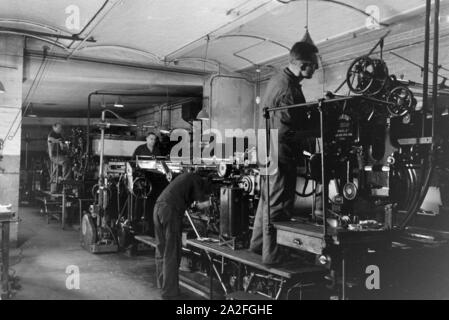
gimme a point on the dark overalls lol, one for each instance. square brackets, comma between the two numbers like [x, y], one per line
[158, 183]
[58, 158]
[168, 213]
[282, 90]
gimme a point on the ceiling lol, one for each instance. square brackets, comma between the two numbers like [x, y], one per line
[204, 35]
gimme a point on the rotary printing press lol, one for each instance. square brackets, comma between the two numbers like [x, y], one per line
[125, 193]
[377, 156]
[372, 169]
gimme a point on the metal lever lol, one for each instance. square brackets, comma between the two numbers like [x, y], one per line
[207, 253]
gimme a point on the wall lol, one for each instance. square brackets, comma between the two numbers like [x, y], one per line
[11, 61]
[231, 104]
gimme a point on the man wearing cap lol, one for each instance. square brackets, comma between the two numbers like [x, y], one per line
[177, 197]
[284, 89]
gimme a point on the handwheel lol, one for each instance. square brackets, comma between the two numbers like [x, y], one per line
[142, 187]
[304, 193]
[359, 77]
[367, 76]
[88, 230]
[402, 99]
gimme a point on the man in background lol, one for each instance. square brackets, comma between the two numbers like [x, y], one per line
[158, 181]
[149, 148]
[57, 151]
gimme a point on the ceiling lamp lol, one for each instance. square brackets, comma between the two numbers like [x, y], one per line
[30, 114]
[2, 88]
[203, 115]
[102, 104]
[164, 131]
[118, 103]
[307, 38]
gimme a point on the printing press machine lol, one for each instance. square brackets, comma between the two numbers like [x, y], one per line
[369, 145]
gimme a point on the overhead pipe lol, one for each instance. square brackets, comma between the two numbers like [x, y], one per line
[90, 21]
[153, 67]
[34, 24]
[134, 50]
[91, 30]
[45, 34]
[60, 45]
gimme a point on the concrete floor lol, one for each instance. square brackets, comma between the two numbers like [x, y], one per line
[45, 251]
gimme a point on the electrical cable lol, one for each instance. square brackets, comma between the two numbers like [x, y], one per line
[341, 4]
[26, 97]
[34, 85]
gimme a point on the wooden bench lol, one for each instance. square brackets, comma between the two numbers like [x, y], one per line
[288, 272]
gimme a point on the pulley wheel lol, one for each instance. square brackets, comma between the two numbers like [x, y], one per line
[88, 230]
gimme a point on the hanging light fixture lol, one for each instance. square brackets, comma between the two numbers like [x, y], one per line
[307, 38]
[2, 88]
[118, 103]
[203, 114]
[30, 113]
[102, 104]
[164, 130]
[445, 111]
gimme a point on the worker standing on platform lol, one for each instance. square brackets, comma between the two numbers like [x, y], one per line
[284, 89]
[177, 197]
[57, 152]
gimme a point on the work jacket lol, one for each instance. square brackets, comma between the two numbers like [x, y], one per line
[284, 89]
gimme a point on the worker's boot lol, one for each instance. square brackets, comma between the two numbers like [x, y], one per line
[186, 264]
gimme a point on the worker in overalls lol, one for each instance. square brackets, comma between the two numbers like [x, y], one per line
[283, 89]
[57, 152]
[169, 209]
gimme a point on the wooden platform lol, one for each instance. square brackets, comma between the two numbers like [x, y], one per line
[147, 240]
[289, 270]
[47, 193]
[299, 227]
[242, 295]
